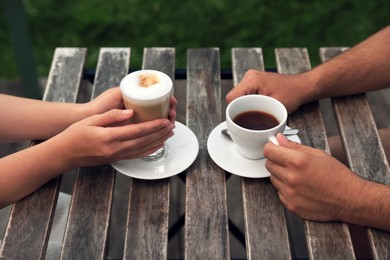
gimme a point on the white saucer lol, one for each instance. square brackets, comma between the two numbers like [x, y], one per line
[180, 152]
[225, 155]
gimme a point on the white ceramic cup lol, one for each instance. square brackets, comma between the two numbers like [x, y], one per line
[250, 143]
[148, 93]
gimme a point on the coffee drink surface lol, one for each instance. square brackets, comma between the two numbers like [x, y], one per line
[256, 120]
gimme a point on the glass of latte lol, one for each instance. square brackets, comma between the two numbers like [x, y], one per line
[148, 93]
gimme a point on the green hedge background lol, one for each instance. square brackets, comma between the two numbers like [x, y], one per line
[191, 24]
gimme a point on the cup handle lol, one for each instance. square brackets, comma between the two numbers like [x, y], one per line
[273, 140]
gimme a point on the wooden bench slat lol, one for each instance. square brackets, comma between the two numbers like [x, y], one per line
[363, 148]
[206, 221]
[147, 223]
[87, 227]
[31, 218]
[331, 240]
[265, 223]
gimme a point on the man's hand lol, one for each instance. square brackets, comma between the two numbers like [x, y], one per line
[291, 90]
[310, 182]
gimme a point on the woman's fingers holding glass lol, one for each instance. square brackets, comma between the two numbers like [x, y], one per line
[144, 145]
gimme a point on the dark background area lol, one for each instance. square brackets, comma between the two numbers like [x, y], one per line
[190, 24]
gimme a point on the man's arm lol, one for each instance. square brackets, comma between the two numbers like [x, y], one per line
[359, 69]
[365, 67]
[371, 207]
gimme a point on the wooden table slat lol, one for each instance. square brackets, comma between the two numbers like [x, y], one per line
[265, 223]
[65, 75]
[206, 221]
[330, 241]
[147, 223]
[87, 227]
[113, 65]
[31, 218]
[363, 148]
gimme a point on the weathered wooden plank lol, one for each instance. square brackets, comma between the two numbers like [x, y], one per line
[325, 240]
[147, 222]
[87, 228]
[265, 223]
[244, 59]
[363, 148]
[162, 59]
[30, 222]
[206, 223]
[113, 65]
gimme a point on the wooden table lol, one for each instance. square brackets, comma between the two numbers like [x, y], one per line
[206, 229]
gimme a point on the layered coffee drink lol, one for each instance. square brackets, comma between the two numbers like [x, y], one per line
[148, 93]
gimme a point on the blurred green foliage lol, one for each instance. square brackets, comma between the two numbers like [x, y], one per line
[191, 24]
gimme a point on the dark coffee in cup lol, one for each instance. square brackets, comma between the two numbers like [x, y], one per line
[256, 120]
[247, 117]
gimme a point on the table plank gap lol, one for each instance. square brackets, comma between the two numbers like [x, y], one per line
[89, 215]
[28, 230]
[206, 222]
[309, 120]
[148, 212]
[363, 148]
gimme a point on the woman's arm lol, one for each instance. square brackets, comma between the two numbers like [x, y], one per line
[96, 140]
[78, 135]
[29, 119]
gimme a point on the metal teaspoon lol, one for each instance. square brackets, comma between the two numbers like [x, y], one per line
[289, 131]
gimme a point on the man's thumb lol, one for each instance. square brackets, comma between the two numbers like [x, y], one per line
[283, 141]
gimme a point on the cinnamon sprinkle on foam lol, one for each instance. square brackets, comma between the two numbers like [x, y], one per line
[147, 80]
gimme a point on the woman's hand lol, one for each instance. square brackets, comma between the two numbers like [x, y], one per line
[107, 137]
[172, 110]
[112, 99]
[108, 100]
